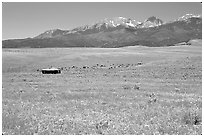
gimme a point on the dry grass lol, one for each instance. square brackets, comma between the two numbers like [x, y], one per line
[161, 96]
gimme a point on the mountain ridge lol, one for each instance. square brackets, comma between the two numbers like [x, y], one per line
[118, 32]
[110, 23]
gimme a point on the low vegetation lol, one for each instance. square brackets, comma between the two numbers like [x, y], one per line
[160, 95]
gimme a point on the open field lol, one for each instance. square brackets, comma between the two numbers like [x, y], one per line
[130, 90]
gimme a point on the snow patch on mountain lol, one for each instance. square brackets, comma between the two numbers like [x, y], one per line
[188, 16]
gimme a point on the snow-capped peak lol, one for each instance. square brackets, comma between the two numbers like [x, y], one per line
[50, 31]
[121, 17]
[112, 23]
[130, 23]
[187, 16]
[150, 22]
[53, 31]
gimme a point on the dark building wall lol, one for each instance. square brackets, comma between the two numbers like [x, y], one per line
[51, 71]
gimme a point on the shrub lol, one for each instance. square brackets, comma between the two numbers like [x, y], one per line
[136, 87]
[126, 87]
[192, 117]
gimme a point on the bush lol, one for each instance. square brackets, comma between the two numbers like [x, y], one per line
[192, 117]
[136, 87]
[126, 87]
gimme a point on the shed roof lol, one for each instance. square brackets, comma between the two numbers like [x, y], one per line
[50, 69]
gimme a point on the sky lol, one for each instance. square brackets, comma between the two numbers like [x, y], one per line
[23, 20]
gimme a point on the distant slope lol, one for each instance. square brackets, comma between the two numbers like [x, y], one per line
[117, 32]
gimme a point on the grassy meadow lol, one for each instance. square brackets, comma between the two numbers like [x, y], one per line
[115, 91]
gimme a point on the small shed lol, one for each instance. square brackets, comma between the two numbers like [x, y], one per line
[51, 71]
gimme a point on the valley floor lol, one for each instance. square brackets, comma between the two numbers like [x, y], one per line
[131, 90]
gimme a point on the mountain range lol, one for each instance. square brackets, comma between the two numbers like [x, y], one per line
[117, 32]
